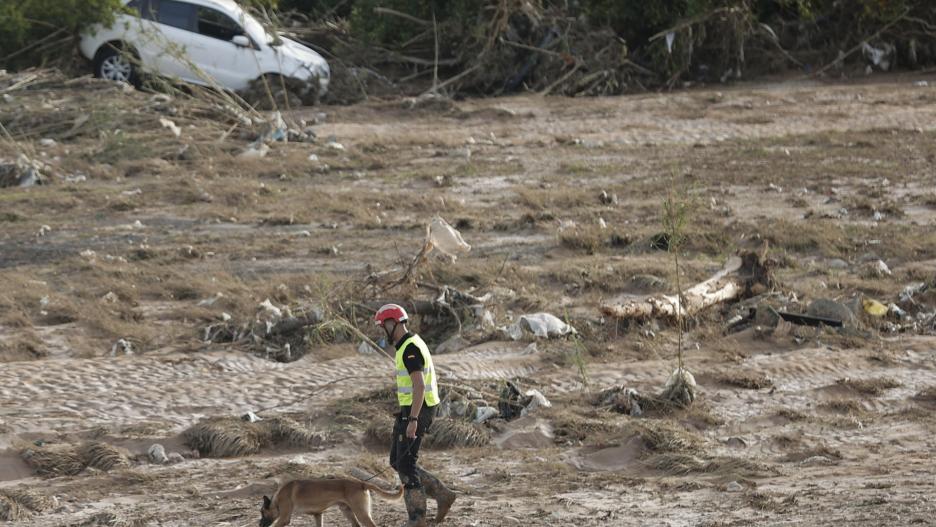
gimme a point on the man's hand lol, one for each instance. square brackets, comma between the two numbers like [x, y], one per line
[411, 430]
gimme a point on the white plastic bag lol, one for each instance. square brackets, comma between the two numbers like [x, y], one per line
[446, 238]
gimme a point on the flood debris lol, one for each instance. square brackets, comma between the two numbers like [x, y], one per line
[680, 388]
[741, 276]
[514, 402]
[64, 459]
[620, 399]
[447, 239]
[539, 325]
[24, 172]
[20, 504]
[235, 437]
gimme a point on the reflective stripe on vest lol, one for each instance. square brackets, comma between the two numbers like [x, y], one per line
[405, 382]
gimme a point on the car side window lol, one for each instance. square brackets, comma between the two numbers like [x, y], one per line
[145, 8]
[176, 14]
[216, 24]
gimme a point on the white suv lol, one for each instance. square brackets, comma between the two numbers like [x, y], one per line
[200, 41]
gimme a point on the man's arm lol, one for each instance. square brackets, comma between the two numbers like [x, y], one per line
[419, 392]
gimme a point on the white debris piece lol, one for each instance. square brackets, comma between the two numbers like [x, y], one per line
[446, 238]
[251, 417]
[542, 325]
[166, 123]
[46, 142]
[538, 401]
[43, 230]
[122, 346]
[268, 306]
[254, 151]
[484, 413]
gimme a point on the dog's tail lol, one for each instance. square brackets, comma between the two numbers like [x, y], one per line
[387, 495]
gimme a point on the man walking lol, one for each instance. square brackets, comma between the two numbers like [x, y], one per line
[418, 395]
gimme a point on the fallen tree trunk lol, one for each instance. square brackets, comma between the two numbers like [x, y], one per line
[741, 276]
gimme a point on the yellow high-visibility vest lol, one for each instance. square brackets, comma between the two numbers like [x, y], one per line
[405, 383]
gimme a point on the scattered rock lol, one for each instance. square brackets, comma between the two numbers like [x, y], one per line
[47, 142]
[157, 454]
[736, 442]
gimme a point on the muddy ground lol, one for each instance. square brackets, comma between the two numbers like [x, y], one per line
[133, 240]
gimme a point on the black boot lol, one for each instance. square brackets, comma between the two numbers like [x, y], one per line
[436, 490]
[415, 500]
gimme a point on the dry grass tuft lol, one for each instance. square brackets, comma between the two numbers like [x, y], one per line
[103, 456]
[819, 451]
[662, 436]
[234, 437]
[874, 387]
[568, 426]
[69, 460]
[675, 463]
[746, 380]
[54, 460]
[843, 406]
[17, 504]
[454, 433]
[115, 519]
[443, 434]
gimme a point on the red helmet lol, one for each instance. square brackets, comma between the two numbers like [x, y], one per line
[390, 312]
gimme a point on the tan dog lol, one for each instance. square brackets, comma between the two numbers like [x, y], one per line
[313, 496]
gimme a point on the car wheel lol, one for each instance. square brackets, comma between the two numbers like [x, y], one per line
[114, 64]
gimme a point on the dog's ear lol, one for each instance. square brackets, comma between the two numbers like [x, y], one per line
[266, 502]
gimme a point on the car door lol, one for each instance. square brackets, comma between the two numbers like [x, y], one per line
[232, 65]
[175, 41]
[140, 31]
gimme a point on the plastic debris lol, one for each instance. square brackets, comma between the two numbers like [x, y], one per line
[874, 308]
[251, 417]
[484, 413]
[537, 400]
[447, 239]
[680, 388]
[734, 486]
[541, 325]
[895, 310]
[122, 346]
[881, 57]
[915, 288]
[268, 306]
[877, 269]
[254, 151]
[166, 123]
